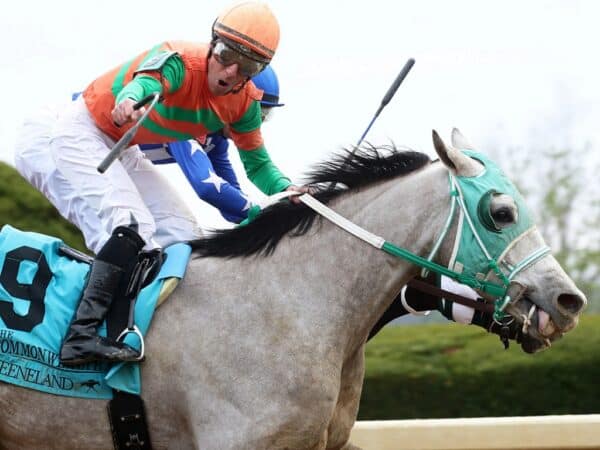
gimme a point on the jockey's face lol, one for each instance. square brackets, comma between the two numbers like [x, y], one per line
[222, 79]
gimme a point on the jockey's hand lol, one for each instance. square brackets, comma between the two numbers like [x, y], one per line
[124, 112]
[302, 189]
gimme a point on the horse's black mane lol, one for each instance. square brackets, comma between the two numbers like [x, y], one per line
[351, 169]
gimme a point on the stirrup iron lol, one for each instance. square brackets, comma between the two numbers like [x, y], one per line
[133, 330]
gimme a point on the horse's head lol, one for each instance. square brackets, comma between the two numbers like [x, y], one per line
[497, 242]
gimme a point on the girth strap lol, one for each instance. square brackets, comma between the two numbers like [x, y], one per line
[127, 417]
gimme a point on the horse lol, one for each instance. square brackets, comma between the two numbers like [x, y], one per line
[261, 346]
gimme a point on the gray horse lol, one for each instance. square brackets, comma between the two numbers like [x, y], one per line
[262, 344]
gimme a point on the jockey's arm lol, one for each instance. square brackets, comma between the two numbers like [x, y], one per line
[247, 137]
[167, 76]
[195, 164]
[263, 172]
[216, 148]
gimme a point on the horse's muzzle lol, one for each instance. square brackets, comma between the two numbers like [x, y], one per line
[541, 326]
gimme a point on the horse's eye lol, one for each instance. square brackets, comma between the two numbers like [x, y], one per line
[497, 211]
[503, 216]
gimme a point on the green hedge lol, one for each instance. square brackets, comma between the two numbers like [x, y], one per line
[25, 208]
[451, 370]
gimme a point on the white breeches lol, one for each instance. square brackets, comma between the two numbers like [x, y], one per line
[58, 151]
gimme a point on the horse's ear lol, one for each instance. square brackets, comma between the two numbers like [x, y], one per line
[460, 141]
[455, 160]
[442, 150]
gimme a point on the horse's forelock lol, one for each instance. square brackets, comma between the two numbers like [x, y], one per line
[353, 169]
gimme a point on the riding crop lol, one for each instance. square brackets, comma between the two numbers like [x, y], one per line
[389, 94]
[122, 143]
[386, 99]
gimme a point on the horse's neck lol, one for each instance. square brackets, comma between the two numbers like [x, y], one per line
[408, 212]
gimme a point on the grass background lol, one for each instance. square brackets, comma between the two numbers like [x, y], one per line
[451, 370]
[25, 208]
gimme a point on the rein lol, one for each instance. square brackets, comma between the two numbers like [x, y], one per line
[428, 288]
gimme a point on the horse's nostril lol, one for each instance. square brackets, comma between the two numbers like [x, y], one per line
[572, 303]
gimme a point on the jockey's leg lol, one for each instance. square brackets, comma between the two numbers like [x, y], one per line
[96, 203]
[173, 218]
[114, 261]
[102, 206]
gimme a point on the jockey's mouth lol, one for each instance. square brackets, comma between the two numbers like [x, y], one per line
[233, 85]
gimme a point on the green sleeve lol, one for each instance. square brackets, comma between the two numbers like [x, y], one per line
[250, 121]
[142, 85]
[262, 172]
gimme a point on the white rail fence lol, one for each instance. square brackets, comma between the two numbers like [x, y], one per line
[568, 432]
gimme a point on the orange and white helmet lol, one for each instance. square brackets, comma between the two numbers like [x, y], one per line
[250, 28]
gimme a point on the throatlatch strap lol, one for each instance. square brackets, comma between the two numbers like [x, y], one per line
[128, 422]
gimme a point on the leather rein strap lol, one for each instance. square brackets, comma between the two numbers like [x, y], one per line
[427, 288]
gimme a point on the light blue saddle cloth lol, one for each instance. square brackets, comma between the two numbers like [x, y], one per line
[40, 289]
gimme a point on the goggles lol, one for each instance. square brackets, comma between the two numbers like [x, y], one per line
[227, 56]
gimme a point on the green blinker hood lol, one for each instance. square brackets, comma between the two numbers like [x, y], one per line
[477, 192]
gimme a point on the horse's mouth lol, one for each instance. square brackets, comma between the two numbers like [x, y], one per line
[538, 330]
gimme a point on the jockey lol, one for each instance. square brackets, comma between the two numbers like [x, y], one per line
[208, 169]
[203, 88]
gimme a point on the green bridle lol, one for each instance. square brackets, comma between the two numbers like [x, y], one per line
[480, 247]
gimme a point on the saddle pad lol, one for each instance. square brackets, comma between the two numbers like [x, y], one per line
[39, 291]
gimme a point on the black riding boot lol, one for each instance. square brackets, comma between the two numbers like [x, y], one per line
[82, 343]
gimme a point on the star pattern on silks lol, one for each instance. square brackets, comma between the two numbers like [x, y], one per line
[195, 147]
[215, 180]
[248, 202]
[208, 146]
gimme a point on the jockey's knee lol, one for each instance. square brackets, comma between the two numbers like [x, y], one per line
[139, 221]
[176, 229]
[146, 231]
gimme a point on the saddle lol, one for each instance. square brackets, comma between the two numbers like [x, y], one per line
[41, 282]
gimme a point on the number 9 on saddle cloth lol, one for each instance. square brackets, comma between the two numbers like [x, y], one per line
[41, 282]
